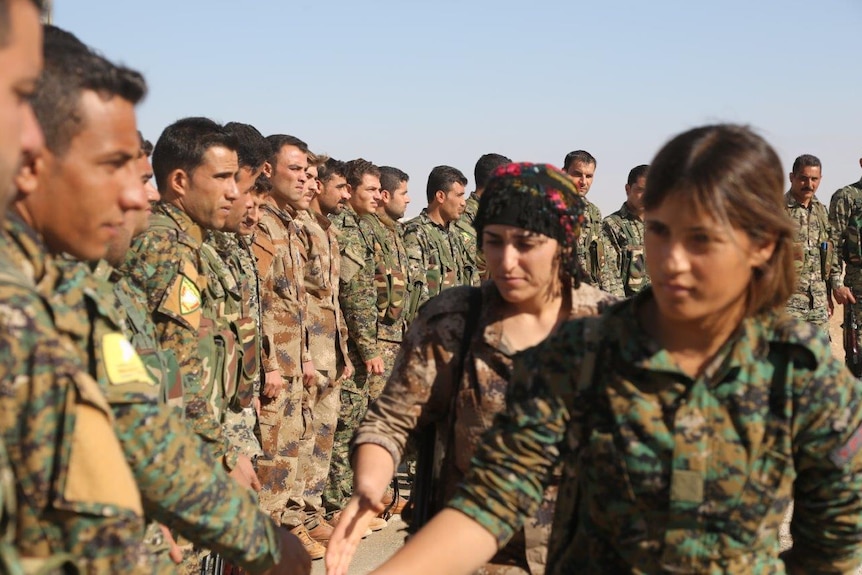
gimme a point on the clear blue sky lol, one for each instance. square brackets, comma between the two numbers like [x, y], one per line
[415, 84]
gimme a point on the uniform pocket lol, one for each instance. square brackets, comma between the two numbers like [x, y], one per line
[764, 499]
[97, 478]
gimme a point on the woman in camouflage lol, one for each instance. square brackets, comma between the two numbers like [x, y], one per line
[687, 417]
[456, 361]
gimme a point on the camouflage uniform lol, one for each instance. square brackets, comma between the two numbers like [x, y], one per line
[357, 298]
[280, 263]
[327, 342]
[812, 259]
[48, 405]
[424, 390]
[474, 259]
[10, 561]
[666, 473]
[239, 288]
[165, 263]
[436, 259]
[172, 467]
[590, 249]
[391, 280]
[624, 273]
[131, 309]
[841, 206]
[130, 306]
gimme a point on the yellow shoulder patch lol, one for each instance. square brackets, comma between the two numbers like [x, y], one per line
[122, 363]
[190, 297]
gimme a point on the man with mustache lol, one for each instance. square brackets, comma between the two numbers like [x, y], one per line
[814, 253]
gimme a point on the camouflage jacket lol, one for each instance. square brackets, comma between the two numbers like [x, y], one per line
[436, 258]
[228, 295]
[357, 296]
[590, 249]
[391, 275]
[840, 207]
[281, 260]
[58, 427]
[130, 306]
[624, 273]
[812, 259]
[425, 388]
[165, 263]
[668, 473]
[178, 481]
[474, 260]
[327, 331]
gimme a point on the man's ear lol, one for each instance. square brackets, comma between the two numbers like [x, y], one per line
[440, 196]
[27, 178]
[178, 182]
[267, 169]
[385, 196]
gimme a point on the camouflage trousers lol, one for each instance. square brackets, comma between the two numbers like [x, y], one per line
[812, 307]
[339, 486]
[239, 429]
[321, 405]
[281, 431]
[388, 352]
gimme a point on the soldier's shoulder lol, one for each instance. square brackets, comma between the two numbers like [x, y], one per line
[800, 341]
[588, 300]
[455, 300]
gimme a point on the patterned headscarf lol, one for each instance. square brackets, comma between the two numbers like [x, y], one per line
[536, 197]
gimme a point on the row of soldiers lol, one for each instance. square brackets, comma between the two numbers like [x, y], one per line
[168, 350]
[828, 242]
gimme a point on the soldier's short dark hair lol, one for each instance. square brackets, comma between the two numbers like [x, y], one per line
[356, 169]
[71, 68]
[805, 161]
[734, 176]
[442, 178]
[331, 167]
[262, 185]
[146, 145]
[636, 173]
[581, 156]
[252, 149]
[391, 178]
[485, 166]
[183, 144]
[5, 20]
[278, 141]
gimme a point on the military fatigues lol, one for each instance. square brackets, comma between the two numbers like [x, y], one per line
[667, 473]
[173, 469]
[357, 298]
[165, 263]
[844, 204]
[130, 307]
[58, 428]
[624, 273]
[281, 258]
[590, 249]
[436, 259]
[474, 259]
[425, 388]
[327, 343]
[812, 259]
[237, 293]
[391, 280]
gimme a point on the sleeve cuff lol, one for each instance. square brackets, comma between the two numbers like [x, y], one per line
[497, 528]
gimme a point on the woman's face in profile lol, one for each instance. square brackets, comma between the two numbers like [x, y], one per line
[700, 268]
[523, 264]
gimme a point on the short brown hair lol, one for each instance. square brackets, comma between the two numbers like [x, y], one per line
[734, 175]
